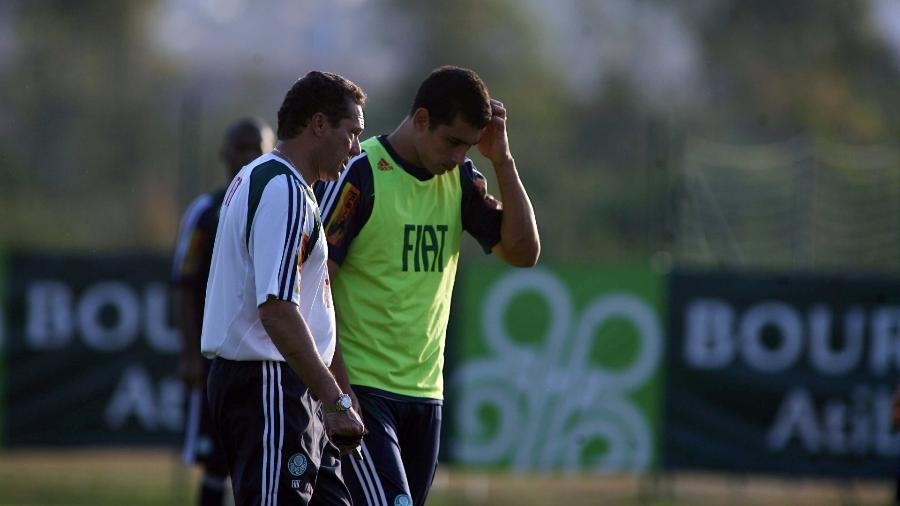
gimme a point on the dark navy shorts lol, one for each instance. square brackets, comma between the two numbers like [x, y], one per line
[272, 431]
[201, 443]
[400, 449]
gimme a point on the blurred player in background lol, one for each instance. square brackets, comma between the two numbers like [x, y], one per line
[895, 422]
[394, 222]
[244, 141]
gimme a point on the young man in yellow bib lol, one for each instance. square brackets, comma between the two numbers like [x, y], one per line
[393, 222]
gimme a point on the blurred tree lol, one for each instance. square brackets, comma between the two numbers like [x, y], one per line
[89, 154]
[818, 74]
[102, 132]
[778, 69]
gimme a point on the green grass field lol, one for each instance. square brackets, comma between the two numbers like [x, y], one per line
[153, 477]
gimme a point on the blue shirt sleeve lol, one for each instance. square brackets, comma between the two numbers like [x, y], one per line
[481, 212]
[346, 205]
[193, 250]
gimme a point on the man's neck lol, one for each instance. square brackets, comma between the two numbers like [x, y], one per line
[295, 155]
[401, 140]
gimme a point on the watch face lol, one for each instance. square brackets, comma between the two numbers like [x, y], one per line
[344, 402]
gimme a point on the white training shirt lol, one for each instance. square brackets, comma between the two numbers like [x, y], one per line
[269, 236]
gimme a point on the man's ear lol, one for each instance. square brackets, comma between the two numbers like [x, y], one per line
[421, 119]
[319, 122]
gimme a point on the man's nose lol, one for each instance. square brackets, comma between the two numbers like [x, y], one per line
[459, 156]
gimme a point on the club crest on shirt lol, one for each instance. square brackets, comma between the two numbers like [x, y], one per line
[337, 224]
[301, 257]
[384, 165]
[403, 500]
[297, 464]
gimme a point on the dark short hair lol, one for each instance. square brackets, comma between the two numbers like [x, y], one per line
[242, 129]
[315, 92]
[451, 91]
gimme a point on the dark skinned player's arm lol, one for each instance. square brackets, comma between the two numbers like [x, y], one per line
[187, 307]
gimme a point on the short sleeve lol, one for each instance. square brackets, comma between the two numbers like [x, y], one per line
[275, 237]
[346, 206]
[194, 243]
[482, 214]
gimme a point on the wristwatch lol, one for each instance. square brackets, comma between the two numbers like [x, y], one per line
[343, 403]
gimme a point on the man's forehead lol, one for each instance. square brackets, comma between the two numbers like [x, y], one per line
[462, 131]
[357, 118]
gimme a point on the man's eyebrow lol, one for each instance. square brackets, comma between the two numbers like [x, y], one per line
[458, 140]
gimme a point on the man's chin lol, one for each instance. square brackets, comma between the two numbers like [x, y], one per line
[333, 175]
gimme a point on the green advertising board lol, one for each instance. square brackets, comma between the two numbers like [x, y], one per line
[2, 348]
[91, 352]
[557, 369]
[782, 373]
